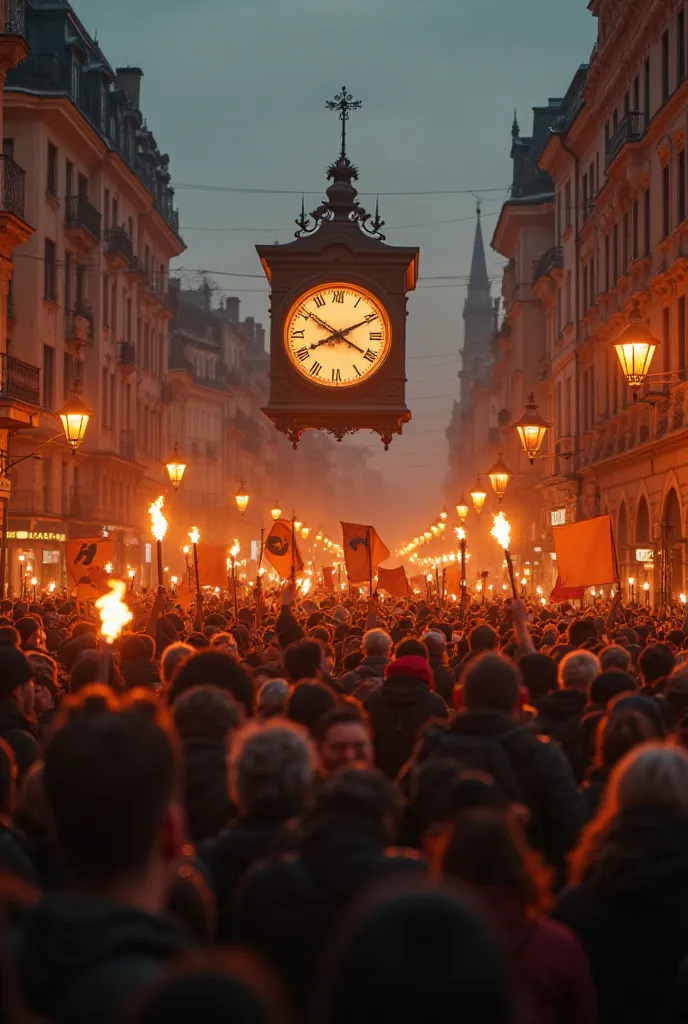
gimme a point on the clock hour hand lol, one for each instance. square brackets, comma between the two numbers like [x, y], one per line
[321, 323]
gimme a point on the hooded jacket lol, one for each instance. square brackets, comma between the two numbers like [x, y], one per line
[399, 709]
[633, 922]
[288, 907]
[81, 958]
[370, 667]
[538, 769]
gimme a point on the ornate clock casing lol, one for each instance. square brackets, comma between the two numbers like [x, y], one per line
[338, 318]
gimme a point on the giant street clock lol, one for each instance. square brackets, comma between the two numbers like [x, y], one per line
[338, 316]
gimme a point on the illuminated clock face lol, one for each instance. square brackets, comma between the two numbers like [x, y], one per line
[337, 335]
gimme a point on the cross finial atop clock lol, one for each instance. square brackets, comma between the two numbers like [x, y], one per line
[343, 103]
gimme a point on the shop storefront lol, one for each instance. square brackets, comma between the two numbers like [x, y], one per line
[36, 556]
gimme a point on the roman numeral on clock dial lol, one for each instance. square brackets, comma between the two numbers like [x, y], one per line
[370, 355]
[315, 369]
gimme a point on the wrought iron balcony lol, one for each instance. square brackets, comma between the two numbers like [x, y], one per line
[19, 380]
[78, 504]
[127, 445]
[553, 259]
[119, 243]
[11, 186]
[126, 355]
[14, 23]
[81, 214]
[631, 129]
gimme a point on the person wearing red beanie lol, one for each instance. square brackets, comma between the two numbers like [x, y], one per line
[400, 707]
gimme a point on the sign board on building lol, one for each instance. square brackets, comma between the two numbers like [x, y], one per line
[557, 517]
[35, 535]
[5, 486]
[644, 555]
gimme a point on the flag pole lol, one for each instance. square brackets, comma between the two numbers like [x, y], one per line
[259, 581]
[370, 560]
[293, 548]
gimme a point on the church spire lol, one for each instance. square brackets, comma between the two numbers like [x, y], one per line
[479, 282]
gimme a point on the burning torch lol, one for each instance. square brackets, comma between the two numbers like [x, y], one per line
[501, 531]
[114, 616]
[233, 552]
[159, 529]
[194, 537]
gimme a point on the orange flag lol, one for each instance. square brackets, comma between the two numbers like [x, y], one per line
[86, 561]
[363, 551]
[452, 579]
[328, 578]
[586, 556]
[212, 565]
[394, 582]
[282, 549]
[561, 594]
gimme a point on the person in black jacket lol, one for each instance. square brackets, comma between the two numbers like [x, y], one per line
[271, 770]
[560, 712]
[109, 781]
[289, 907]
[376, 646]
[18, 725]
[401, 707]
[436, 643]
[628, 904]
[488, 736]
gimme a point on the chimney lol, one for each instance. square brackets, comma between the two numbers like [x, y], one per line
[129, 81]
[232, 309]
[250, 328]
[260, 336]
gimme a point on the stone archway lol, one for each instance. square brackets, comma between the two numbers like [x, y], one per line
[672, 546]
[642, 522]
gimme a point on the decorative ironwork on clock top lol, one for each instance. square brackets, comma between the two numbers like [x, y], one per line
[341, 203]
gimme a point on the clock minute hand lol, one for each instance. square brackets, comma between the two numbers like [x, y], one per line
[321, 323]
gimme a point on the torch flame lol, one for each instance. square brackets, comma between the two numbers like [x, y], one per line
[194, 535]
[114, 613]
[305, 585]
[158, 521]
[235, 549]
[501, 531]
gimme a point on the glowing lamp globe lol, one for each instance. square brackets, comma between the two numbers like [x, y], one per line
[499, 477]
[478, 496]
[176, 467]
[635, 348]
[305, 530]
[241, 498]
[531, 430]
[75, 415]
[276, 512]
[462, 509]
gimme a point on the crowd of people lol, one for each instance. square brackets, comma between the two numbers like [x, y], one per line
[337, 812]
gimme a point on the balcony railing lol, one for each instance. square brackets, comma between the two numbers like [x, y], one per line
[126, 355]
[14, 22]
[631, 129]
[77, 504]
[127, 445]
[81, 214]
[11, 186]
[119, 243]
[553, 259]
[19, 380]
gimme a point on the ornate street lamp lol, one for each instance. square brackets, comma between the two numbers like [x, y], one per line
[462, 509]
[276, 512]
[531, 429]
[176, 467]
[305, 530]
[635, 347]
[75, 415]
[478, 496]
[499, 477]
[241, 498]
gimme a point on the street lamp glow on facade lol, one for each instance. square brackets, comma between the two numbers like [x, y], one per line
[176, 467]
[531, 430]
[635, 348]
[478, 496]
[462, 509]
[241, 498]
[499, 477]
[75, 415]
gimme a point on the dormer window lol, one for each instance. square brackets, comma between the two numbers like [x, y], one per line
[76, 79]
[103, 105]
